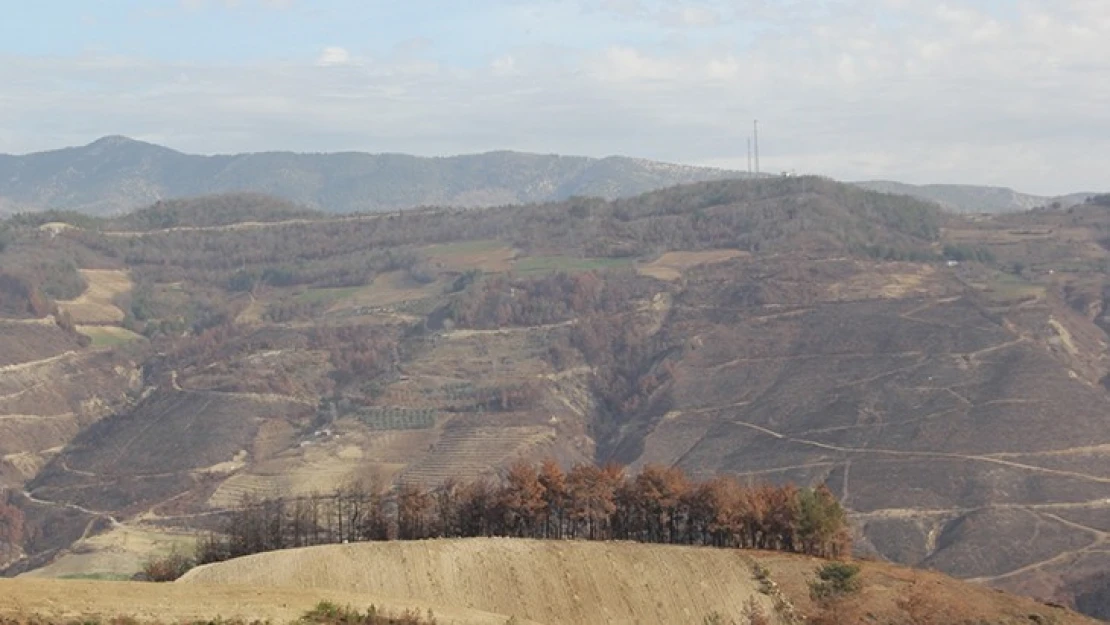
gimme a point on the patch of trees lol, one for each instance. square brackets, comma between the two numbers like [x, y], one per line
[500, 301]
[323, 252]
[1100, 200]
[294, 310]
[38, 218]
[53, 272]
[19, 297]
[212, 210]
[629, 363]
[968, 253]
[357, 353]
[11, 529]
[503, 398]
[887, 252]
[657, 505]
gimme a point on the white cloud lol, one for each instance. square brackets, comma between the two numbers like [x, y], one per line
[929, 93]
[691, 16]
[196, 5]
[333, 55]
[504, 66]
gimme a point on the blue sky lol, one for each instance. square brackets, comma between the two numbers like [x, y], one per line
[468, 33]
[1009, 92]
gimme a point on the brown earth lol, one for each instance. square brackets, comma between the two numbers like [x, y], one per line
[572, 582]
[168, 603]
[670, 266]
[489, 581]
[549, 582]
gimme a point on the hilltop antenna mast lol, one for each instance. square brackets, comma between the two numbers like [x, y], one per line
[755, 126]
[749, 156]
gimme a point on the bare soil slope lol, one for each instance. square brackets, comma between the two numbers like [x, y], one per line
[547, 581]
[74, 599]
[571, 582]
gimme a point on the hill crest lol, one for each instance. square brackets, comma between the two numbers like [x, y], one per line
[116, 174]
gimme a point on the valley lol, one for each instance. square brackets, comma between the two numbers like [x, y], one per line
[943, 375]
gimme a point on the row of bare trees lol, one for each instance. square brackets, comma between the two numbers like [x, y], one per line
[657, 505]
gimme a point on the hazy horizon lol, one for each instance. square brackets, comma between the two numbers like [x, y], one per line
[964, 92]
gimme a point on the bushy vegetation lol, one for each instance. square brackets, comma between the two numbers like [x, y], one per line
[167, 568]
[500, 301]
[11, 528]
[19, 297]
[1100, 200]
[657, 505]
[212, 210]
[325, 613]
[38, 218]
[835, 579]
[396, 418]
[752, 614]
[968, 253]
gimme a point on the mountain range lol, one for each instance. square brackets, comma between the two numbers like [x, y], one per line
[976, 199]
[116, 174]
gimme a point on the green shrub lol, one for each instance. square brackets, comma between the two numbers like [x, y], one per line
[327, 613]
[835, 579]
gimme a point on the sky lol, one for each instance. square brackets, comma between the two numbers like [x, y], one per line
[1000, 92]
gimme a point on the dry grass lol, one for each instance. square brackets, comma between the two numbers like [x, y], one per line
[387, 289]
[120, 552]
[82, 600]
[96, 305]
[671, 265]
[887, 281]
[552, 582]
[487, 256]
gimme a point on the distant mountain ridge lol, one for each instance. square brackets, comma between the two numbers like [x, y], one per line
[116, 174]
[973, 198]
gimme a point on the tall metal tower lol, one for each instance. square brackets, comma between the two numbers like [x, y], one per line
[749, 156]
[755, 126]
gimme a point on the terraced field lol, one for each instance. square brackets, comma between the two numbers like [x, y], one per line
[468, 453]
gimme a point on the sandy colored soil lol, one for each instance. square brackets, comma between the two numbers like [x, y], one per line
[488, 256]
[120, 552]
[74, 599]
[892, 282]
[670, 266]
[551, 582]
[387, 289]
[95, 305]
[488, 581]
